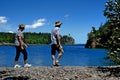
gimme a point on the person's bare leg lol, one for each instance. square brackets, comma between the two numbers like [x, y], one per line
[16, 62]
[58, 58]
[25, 61]
[59, 55]
[53, 59]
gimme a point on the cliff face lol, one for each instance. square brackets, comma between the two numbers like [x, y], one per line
[107, 36]
[67, 40]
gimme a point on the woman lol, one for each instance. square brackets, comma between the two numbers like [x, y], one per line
[20, 47]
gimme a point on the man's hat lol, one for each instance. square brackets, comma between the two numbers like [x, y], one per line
[57, 23]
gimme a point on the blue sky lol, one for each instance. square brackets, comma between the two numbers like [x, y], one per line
[77, 16]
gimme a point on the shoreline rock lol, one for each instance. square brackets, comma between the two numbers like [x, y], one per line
[61, 73]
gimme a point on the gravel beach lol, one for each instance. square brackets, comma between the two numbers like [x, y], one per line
[61, 73]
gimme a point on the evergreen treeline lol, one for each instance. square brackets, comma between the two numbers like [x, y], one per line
[108, 35]
[37, 38]
[34, 38]
[6, 37]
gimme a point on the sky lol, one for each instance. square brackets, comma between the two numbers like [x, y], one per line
[78, 16]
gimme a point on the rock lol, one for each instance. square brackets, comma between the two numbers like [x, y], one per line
[61, 73]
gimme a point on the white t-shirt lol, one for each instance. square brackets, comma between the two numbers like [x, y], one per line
[55, 31]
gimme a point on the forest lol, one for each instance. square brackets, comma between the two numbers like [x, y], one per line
[34, 38]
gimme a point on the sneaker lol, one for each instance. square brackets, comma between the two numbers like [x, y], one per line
[27, 65]
[17, 66]
[57, 64]
[54, 63]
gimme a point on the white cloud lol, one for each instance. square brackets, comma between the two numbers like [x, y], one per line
[10, 31]
[37, 23]
[3, 19]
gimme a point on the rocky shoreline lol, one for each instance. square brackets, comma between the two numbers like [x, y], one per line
[61, 73]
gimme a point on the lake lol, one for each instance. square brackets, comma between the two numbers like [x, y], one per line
[40, 55]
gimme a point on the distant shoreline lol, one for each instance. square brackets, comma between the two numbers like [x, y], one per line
[7, 44]
[12, 44]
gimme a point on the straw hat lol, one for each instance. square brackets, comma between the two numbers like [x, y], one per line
[58, 23]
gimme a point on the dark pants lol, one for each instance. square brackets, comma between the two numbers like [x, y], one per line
[18, 50]
[54, 48]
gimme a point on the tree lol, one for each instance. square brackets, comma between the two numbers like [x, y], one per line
[112, 12]
[67, 39]
[108, 35]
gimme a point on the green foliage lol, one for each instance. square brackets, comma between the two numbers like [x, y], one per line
[112, 12]
[108, 35]
[67, 39]
[6, 37]
[30, 38]
[37, 38]
[34, 38]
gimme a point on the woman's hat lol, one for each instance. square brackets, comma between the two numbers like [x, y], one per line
[57, 23]
[21, 26]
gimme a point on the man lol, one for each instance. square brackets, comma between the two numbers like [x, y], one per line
[20, 47]
[56, 44]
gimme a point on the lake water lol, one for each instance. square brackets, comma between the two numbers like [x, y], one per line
[40, 55]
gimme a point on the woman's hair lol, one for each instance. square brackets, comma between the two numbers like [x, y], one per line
[21, 26]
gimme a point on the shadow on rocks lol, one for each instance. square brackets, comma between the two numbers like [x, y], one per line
[113, 71]
[16, 78]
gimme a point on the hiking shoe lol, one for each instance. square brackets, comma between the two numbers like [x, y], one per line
[54, 63]
[27, 65]
[17, 66]
[57, 63]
